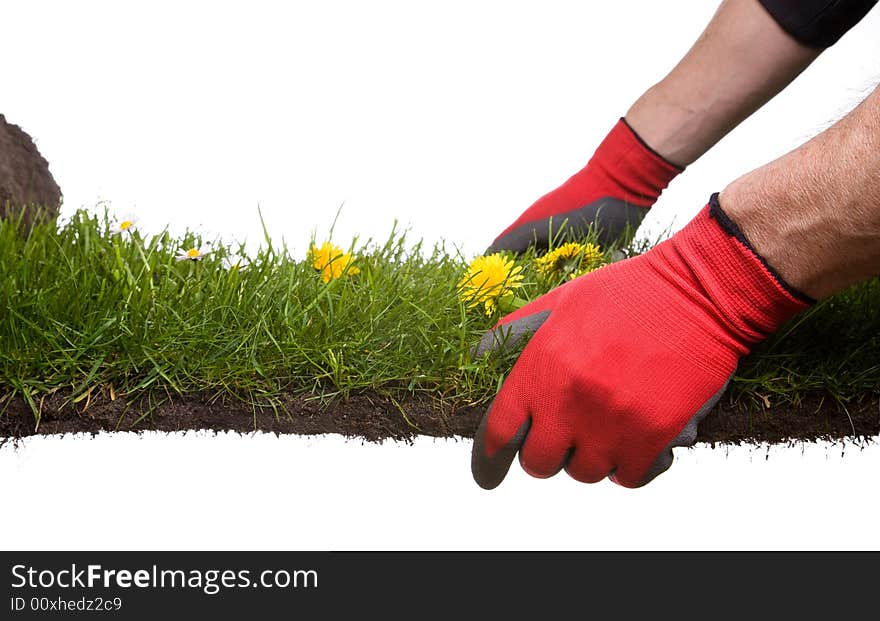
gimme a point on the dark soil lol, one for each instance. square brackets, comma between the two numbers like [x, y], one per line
[25, 180]
[376, 417]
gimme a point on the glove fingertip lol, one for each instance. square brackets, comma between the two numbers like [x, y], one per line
[507, 336]
[499, 246]
[686, 437]
[490, 466]
[616, 478]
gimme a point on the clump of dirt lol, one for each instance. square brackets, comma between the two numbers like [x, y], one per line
[25, 181]
[377, 417]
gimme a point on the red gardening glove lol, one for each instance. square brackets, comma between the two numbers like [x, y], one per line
[624, 362]
[612, 193]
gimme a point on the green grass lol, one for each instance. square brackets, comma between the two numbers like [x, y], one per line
[832, 348]
[81, 307]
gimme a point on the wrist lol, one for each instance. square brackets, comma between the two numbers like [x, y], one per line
[630, 169]
[714, 284]
[729, 278]
[813, 212]
[785, 237]
[673, 128]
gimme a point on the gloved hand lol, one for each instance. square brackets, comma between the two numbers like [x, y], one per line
[612, 192]
[623, 362]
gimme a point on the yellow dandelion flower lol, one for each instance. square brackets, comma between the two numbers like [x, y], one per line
[488, 280]
[586, 270]
[570, 260]
[331, 261]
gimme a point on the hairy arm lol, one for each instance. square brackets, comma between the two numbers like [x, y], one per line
[814, 214]
[741, 61]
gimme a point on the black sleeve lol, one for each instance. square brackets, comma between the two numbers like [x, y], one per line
[817, 23]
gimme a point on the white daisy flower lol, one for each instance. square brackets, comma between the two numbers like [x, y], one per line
[193, 254]
[125, 225]
[235, 263]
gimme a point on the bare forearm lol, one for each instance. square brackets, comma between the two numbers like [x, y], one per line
[814, 214]
[740, 62]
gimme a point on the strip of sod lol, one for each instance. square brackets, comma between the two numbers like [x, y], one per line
[104, 330]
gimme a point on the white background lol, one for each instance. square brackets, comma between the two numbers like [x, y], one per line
[451, 117]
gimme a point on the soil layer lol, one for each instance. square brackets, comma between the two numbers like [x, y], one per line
[25, 180]
[377, 417]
